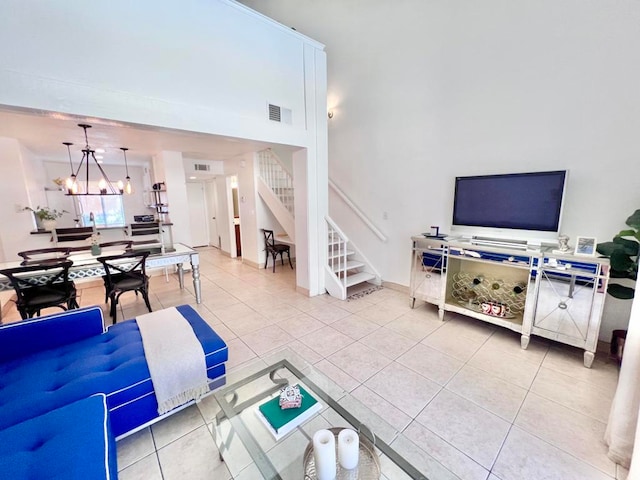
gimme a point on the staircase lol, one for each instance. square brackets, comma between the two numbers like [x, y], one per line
[346, 266]
[275, 187]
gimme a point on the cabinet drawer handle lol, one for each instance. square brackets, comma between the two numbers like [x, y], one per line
[562, 306]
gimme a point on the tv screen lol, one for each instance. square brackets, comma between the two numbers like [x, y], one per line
[522, 201]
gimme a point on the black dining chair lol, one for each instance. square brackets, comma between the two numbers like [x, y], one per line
[73, 234]
[274, 249]
[125, 273]
[43, 255]
[41, 286]
[106, 248]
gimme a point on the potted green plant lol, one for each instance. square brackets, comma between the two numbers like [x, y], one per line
[46, 217]
[623, 253]
[95, 244]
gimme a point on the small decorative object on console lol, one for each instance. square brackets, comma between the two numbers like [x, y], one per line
[563, 243]
[585, 246]
[494, 309]
[435, 232]
[290, 397]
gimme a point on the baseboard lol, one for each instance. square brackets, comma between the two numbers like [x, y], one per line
[250, 263]
[396, 286]
[302, 290]
[604, 347]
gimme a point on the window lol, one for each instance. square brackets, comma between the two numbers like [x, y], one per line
[108, 210]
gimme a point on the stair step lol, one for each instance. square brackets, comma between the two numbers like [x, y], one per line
[351, 265]
[359, 278]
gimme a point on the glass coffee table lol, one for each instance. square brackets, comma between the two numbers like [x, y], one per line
[251, 452]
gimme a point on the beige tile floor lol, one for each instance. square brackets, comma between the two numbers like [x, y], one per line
[475, 401]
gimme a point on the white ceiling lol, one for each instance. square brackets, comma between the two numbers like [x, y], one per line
[43, 133]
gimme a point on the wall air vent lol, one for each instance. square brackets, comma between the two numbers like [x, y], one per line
[201, 167]
[279, 114]
[274, 112]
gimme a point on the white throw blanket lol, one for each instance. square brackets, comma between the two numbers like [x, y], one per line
[175, 358]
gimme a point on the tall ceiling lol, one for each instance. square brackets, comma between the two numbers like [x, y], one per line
[43, 133]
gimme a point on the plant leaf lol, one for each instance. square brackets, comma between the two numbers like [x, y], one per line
[607, 248]
[630, 246]
[618, 274]
[621, 261]
[620, 291]
[634, 220]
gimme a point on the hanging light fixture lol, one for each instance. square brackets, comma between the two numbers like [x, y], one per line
[105, 187]
[71, 184]
[127, 186]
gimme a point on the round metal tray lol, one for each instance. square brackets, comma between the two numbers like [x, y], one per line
[368, 463]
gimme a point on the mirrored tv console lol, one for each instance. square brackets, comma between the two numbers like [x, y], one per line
[533, 292]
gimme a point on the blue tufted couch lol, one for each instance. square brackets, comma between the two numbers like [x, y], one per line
[50, 367]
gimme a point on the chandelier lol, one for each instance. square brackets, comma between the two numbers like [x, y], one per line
[105, 186]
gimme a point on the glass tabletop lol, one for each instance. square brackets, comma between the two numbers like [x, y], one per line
[250, 450]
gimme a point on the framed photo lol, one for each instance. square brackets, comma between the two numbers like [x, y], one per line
[585, 246]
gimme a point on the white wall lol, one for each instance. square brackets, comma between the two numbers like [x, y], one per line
[17, 166]
[460, 87]
[285, 157]
[204, 66]
[230, 62]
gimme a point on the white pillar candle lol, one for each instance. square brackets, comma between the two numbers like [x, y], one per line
[324, 454]
[348, 448]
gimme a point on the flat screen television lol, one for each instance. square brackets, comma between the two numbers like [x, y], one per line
[518, 206]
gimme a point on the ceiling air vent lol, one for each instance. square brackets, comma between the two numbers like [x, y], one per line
[274, 112]
[202, 167]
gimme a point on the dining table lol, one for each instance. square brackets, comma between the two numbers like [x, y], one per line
[86, 266]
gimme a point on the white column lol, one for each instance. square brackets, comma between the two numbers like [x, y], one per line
[168, 167]
[315, 64]
[23, 186]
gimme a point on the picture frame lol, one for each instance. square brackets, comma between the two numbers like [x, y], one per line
[585, 246]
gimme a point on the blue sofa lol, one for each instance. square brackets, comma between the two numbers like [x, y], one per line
[53, 363]
[71, 442]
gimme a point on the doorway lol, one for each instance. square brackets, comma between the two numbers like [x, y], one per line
[211, 193]
[197, 214]
[236, 214]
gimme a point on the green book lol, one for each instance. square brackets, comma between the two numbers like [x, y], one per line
[280, 422]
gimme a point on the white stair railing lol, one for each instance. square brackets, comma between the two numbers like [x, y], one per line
[337, 252]
[276, 177]
[357, 211]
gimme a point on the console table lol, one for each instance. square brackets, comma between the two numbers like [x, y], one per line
[555, 296]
